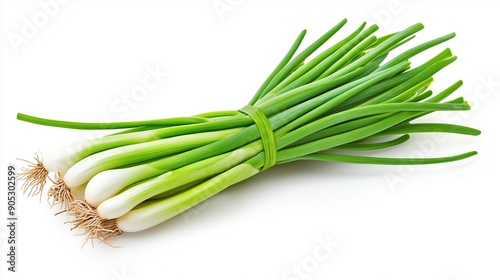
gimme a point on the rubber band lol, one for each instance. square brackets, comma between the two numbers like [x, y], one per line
[266, 134]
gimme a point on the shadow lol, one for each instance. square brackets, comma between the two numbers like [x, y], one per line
[274, 177]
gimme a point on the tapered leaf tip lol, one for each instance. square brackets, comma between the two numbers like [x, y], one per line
[419, 25]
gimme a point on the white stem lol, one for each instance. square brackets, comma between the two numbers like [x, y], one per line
[63, 158]
[118, 205]
[108, 183]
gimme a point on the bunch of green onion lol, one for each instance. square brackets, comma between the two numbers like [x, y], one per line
[347, 98]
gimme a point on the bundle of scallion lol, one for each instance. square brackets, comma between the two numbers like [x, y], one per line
[347, 98]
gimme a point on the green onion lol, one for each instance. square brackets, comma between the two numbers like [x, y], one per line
[347, 98]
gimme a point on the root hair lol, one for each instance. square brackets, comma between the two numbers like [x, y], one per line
[60, 193]
[94, 227]
[34, 176]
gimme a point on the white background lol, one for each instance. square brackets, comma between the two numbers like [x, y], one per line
[438, 222]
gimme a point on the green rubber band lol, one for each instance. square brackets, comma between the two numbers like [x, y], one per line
[266, 134]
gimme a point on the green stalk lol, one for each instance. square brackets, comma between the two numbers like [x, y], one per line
[357, 134]
[362, 146]
[381, 160]
[318, 65]
[299, 59]
[380, 49]
[418, 49]
[334, 97]
[110, 125]
[390, 83]
[261, 91]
